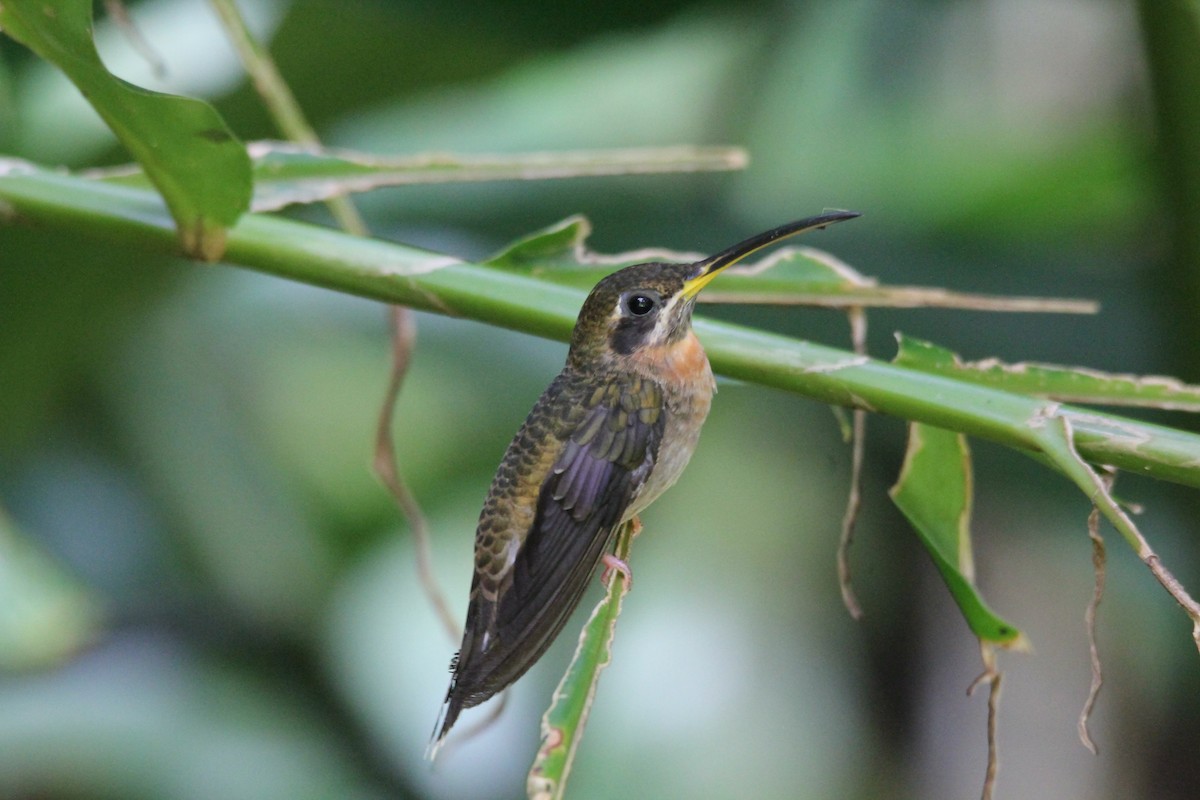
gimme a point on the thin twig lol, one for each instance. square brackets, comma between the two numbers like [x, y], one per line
[991, 676]
[1089, 621]
[858, 336]
[1176, 590]
[280, 101]
[1085, 476]
[119, 14]
[403, 337]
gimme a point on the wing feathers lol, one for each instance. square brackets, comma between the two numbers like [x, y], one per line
[602, 461]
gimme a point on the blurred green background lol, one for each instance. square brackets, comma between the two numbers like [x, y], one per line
[204, 593]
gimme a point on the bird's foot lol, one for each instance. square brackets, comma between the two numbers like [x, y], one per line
[611, 564]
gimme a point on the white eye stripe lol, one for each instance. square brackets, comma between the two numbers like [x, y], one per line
[662, 324]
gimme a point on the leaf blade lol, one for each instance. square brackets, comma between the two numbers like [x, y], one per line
[395, 273]
[935, 491]
[797, 275]
[187, 150]
[287, 174]
[1067, 384]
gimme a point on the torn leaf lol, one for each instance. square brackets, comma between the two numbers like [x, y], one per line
[289, 174]
[807, 276]
[1064, 384]
[559, 253]
[560, 244]
[788, 276]
[286, 173]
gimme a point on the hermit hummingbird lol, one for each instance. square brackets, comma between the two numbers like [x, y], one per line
[609, 435]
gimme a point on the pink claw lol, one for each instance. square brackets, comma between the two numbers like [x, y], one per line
[612, 563]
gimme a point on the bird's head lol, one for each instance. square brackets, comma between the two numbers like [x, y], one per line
[649, 305]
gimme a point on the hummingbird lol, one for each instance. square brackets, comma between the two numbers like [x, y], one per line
[611, 433]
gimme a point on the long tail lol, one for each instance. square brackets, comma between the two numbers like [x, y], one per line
[451, 708]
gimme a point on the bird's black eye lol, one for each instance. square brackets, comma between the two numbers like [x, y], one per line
[640, 304]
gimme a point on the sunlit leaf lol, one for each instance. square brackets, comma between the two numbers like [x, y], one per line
[187, 150]
[935, 492]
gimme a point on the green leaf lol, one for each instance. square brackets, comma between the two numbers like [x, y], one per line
[805, 275]
[935, 491]
[187, 150]
[286, 173]
[1068, 384]
[565, 719]
[45, 615]
[789, 276]
[556, 246]
[395, 273]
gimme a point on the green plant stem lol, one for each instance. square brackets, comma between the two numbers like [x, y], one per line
[564, 722]
[395, 273]
[280, 101]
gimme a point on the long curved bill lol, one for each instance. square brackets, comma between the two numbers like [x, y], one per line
[708, 269]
